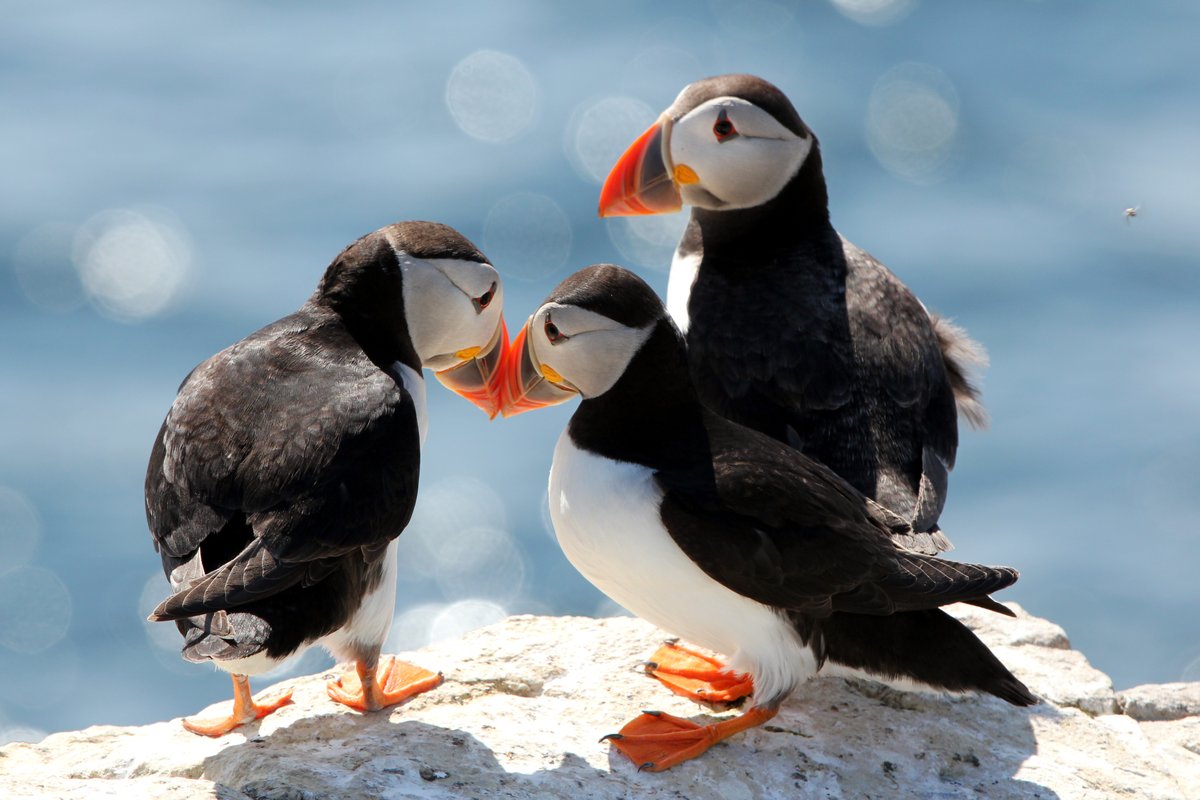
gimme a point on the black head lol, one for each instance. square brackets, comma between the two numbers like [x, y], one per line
[612, 291]
[750, 88]
[422, 294]
[734, 149]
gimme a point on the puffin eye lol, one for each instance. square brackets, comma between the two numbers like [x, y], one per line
[485, 299]
[553, 333]
[723, 128]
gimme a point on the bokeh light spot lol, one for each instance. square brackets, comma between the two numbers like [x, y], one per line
[35, 609]
[444, 509]
[132, 265]
[413, 628]
[481, 562]
[163, 638]
[875, 12]
[648, 241]
[465, 616]
[600, 131]
[20, 529]
[492, 96]
[527, 235]
[913, 122]
[44, 270]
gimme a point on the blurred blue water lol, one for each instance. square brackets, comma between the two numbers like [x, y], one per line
[985, 152]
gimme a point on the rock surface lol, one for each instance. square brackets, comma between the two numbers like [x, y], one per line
[525, 701]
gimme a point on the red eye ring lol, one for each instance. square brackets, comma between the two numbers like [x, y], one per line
[723, 128]
[485, 300]
[553, 334]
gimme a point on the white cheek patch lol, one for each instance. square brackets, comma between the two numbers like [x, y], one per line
[442, 319]
[742, 171]
[596, 351]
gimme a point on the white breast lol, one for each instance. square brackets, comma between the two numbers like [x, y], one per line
[679, 286]
[370, 625]
[606, 517]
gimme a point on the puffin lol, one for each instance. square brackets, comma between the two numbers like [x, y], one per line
[288, 464]
[725, 536]
[792, 330]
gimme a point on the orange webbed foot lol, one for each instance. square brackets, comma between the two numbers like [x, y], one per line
[656, 741]
[245, 709]
[370, 689]
[699, 677]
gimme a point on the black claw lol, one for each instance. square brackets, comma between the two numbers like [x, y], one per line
[672, 641]
[616, 737]
[649, 666]
[652, 713]
[647, 765]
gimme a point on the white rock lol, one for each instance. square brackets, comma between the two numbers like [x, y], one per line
[1161, 701]
[526, 700]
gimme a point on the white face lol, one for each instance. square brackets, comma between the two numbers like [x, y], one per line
[583, 350]
[453, 307]
[728, 153]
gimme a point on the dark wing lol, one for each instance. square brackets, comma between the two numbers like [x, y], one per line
[782, 529]
[849, 371]
[906, 383]
[279, 455]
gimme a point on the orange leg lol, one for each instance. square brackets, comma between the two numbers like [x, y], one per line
[699, 677]
[656, 741]
[244, 710]
[375, 688]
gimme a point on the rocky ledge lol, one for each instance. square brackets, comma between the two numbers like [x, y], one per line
[526, 701]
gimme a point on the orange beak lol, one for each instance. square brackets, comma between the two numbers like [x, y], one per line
[480, 376]
[642, 182]
[527, 384]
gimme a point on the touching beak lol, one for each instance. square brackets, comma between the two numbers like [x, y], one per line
[480, 375]
[642, 182]
[529, 385]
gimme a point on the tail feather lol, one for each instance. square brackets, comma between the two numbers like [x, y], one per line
[927, 647]
[924, 582]
[991, 605]
[221, 636]
[253, 575]
[962, 356]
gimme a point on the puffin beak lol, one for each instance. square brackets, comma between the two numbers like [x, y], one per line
[529, 385]
[479, 376]
[642, 182]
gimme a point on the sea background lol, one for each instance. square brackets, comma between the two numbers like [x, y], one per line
[177, 175]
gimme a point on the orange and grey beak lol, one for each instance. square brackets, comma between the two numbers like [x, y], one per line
[642, 182]
[481, 373]
[528, 384]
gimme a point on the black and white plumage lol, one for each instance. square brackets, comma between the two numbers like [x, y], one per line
[288, 463]
[722, 535]
[791, 329]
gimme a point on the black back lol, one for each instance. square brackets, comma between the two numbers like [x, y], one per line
[800, 335]
[771, 524]
[290, 460]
